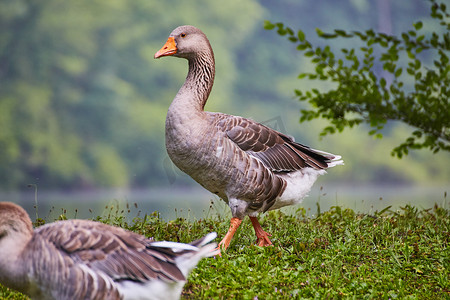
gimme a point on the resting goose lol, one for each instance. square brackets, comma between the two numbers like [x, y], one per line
[81, 259]
[250, 166]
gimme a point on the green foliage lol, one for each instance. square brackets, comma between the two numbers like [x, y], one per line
[82, 101]
[338, 254]
[408, 90]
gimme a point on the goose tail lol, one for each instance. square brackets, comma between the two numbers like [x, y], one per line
[190, 254]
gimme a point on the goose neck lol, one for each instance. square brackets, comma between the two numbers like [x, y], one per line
[199, 81]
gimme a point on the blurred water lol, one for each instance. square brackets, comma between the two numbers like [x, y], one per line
[368, 199]
[197, 203]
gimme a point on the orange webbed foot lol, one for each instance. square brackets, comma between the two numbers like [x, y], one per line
[225, 242]
[262, 236]
[263, 239]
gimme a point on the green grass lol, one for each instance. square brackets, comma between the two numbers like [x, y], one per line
[338, 254]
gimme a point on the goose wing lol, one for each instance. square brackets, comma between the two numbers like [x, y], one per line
[120, 254]
[277, 151]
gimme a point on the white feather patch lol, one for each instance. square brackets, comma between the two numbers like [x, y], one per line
[176, 247]
[299, 184]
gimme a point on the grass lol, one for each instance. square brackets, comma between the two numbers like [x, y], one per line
[338, 254]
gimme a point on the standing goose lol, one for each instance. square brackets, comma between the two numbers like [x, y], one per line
[250, 166]
[80, 259]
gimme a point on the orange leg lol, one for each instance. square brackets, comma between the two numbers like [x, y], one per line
[234, 224]
[262, 236]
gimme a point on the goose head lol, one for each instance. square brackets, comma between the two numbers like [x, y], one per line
[14, 223]
[16, 231]
[187, 42]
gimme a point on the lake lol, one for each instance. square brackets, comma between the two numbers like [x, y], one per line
[197, 203]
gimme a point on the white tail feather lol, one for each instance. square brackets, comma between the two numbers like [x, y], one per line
[208, 238]
[336, 161]
[186, 262]
[174, 246]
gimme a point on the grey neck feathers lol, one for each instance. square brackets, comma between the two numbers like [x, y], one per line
[199, 80]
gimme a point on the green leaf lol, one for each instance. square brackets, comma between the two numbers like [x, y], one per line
[418, 25]
[290, 31]
[268, 25]
[302, 47]
[342, 33]
[383, 44]
[370, 32]
[417, 64]
[362, 36]
[328, 36]
[301, 36]
[405, 37]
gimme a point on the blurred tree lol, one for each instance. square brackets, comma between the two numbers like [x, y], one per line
[82, 102]
[418, 97]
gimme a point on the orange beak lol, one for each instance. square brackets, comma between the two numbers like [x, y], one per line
[169, 48]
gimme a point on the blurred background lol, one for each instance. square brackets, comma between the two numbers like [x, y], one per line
[83, 103]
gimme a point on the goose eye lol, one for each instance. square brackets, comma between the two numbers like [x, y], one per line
[183, 35]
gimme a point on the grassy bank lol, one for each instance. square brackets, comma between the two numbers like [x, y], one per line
[337, 254]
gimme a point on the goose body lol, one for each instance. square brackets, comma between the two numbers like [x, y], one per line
[250, 166]
[81, 259]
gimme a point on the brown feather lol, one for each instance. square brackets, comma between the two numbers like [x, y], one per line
[118, 253]
[276, 150]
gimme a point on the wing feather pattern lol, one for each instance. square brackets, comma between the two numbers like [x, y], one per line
[120, 254]
[277, 151]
